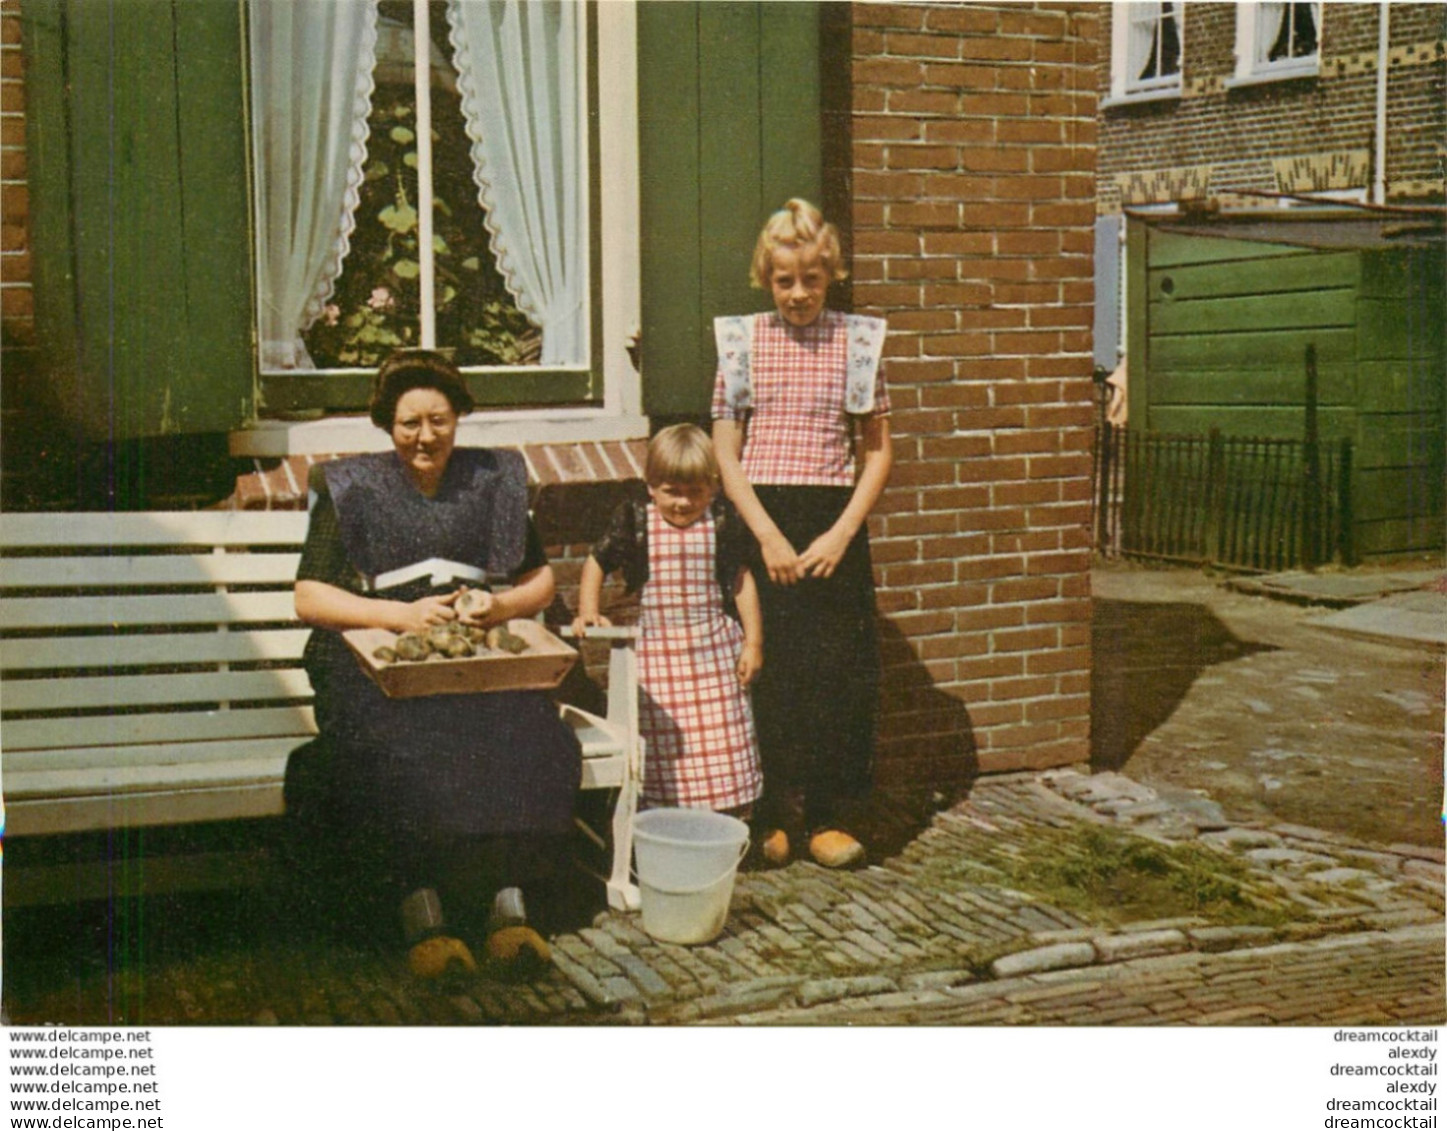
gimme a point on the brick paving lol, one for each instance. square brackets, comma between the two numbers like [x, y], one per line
[1359, 979]
[940, 933]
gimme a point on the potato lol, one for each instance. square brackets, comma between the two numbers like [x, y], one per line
[410, 646]
[502, 640]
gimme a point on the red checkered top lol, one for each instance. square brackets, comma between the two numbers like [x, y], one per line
[798, 431]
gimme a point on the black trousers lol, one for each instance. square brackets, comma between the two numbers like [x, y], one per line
[816, 702]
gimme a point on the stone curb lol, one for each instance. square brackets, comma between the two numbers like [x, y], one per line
[1029, 985]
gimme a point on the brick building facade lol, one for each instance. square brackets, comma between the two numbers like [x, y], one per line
[966, 161]
[1292, 129]
[1307, 133]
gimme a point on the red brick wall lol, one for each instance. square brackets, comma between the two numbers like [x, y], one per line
[974, 161]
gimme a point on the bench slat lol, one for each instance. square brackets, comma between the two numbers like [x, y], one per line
[168, 807]
[66, 694]
[185, 608]
[148, 570]
[167, 726]
[153, 528]
[598, 737]
[97, 652]
[603, 773]
[598, 744]
[36, 784]
[157, 754]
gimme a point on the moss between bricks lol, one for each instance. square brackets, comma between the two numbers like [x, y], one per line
[1113, 878]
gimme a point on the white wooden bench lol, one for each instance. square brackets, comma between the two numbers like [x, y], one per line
[150, 674]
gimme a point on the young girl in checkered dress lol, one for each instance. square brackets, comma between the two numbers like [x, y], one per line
[801, 431]
[687, 552]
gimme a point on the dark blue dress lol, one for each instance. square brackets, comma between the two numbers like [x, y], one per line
[494, 763]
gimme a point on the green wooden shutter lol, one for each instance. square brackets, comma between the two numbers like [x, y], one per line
[729, 128]
[137, 160]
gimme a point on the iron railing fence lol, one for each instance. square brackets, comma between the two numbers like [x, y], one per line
[1243, 502]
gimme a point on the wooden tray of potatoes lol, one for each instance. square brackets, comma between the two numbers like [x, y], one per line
[541, 664]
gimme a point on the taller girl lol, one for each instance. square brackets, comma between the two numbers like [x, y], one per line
[802, 436]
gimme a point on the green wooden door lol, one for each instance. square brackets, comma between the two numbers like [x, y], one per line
[137, 163]
[729, 129]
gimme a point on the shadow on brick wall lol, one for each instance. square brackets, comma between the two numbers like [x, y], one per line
[926, 759]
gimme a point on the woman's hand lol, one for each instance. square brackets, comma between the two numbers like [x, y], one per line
[824, 554]
[582, 623]
[780, 559]
[423, 613]
[476, 608]
[751, 659]
[326, 606]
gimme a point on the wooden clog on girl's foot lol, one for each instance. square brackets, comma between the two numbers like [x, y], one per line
[775, 848]
[834, 849]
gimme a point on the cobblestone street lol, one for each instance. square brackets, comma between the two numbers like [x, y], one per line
[1344, 932]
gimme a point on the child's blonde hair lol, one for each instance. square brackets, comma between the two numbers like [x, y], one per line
[797, 224]
[681, 453]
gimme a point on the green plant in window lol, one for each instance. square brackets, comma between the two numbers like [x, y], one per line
[375, 307]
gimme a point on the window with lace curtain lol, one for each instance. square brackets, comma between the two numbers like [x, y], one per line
[1277, 40]
[435, 197]
[1146, 51]
[188, 253]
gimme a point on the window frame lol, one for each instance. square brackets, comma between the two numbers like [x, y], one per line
[1125, 17]
[599, 401]
[1250, 70]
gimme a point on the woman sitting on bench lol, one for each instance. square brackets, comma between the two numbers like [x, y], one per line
[471, 793]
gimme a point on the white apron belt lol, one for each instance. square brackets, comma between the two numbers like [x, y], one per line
[439, 570]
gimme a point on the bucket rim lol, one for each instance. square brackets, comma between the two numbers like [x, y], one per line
[643, 833]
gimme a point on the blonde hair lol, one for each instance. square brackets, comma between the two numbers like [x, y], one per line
[797, 224]
[681, 453]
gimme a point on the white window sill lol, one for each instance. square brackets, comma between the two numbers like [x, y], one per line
[1258, 78]
[348, 434]
[1169, 94]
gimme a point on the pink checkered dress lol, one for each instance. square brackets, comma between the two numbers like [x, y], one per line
[696, 720]
[798, 430]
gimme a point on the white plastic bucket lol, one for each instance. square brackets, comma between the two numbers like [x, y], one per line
[687, 859]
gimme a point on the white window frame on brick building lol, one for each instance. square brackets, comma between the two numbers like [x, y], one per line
[1259, 27]
[1139, 43]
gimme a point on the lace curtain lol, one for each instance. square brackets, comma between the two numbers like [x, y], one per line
[312, 63]
[311, 92]
[1154, 45]
[1285, 31]
[518, 74]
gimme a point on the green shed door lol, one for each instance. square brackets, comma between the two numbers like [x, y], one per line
[729, 129]
[137, 159]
